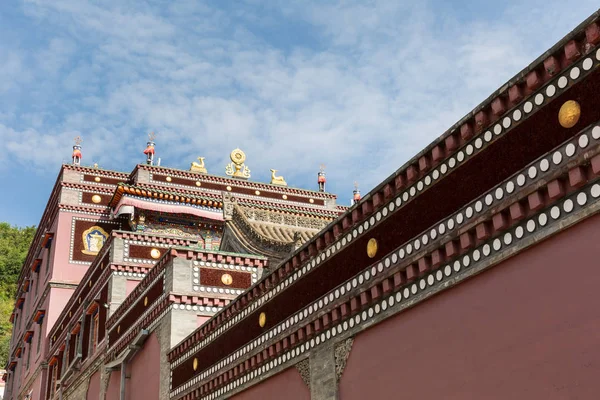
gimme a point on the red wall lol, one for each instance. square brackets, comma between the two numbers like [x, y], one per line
[144, 370]
[526, 329]
[113, 390]
[288, 385]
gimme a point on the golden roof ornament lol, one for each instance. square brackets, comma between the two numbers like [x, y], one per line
[237, 168]
[277, 180]
[569, 114]
[198, 166]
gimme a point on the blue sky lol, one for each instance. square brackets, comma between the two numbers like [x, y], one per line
[360, 86]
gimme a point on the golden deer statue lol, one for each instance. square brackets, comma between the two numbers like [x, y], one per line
[277, 180]
[198, 167]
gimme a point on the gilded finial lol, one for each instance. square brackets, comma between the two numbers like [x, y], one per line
[198, 166]
[237, 168]
[277, 180]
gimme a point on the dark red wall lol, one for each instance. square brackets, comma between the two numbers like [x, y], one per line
[287, 385]
[526, 329]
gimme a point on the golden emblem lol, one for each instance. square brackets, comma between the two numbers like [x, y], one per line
[569, 114]
[97, 179]
[93, 240]
[277, 180]
[96, 199]
[155, 253]
[198, 166]
[145, 301]
[226, 279]
[262, 319]
[195, 364]
[168, 179]
[119, 329]
[372, 248]
[236, 168]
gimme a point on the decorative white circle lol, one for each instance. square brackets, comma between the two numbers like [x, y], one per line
[452, 162]
[408, 248]
[442, 229]
[459, 218]
[497, 129]
[528, 107]
[532, 172]
[433, 233]
[420, 185]
[530, 225]
[427, 180]
[456, 266]
[447, 270]
[575, 72]
[466, 261]
[478, 206]
[543, 219]
[521, 180]
[450, 224]
[587, 64]
[460, 156]
[398, 297]
[401, 253]
[539, 99]
[478, 143]
[469, 212]
[435, 174]
[581, 198]
[425, 239]
[544, 165]
[405, 196]
[555, 212]
[595, 191]
[476, 255]
[398, 202]
[486, 250]
[443, 169]
[570, 149]
[517, 115]
[551, 90]
[583, 141]
[422, 284]
[430, 280]
[510, 187]
[417, 244]
[598, 54]
[507, 238]
[596, 132]
[568, 205]
[519, 232]
[439, 275]
[487, 136]
[557, 157]
[469, 150]
[414, 289]
[496, 244]
[562, 82]
[489, 199]
[506, 122]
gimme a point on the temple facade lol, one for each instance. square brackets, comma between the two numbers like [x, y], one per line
[125, 265]
[471, 272]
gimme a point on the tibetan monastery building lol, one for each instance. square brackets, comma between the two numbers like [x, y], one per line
[470, 273]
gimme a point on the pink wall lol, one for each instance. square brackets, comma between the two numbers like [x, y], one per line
[114, 382]
[93, 392]
[67, 272]
[144, 370]
[130, 284]
[202, 319]
[287, 385]
[525, 329]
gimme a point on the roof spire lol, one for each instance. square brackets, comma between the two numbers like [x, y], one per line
[77, 151]
[356, 192]
[321, 178]
[149, 152]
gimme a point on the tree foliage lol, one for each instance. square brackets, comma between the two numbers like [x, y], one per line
[14, 244]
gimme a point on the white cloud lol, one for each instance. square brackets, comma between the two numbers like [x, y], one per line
[360, 86]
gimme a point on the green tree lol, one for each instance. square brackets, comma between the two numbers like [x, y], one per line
[14, 245]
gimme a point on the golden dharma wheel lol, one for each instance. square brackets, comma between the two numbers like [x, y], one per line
[237, 156]
[569, 114]
[226, 279]
[372, 248]
[262, 319]
[155, 253]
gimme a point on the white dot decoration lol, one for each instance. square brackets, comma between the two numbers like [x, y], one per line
[544, 165]
[478, 143]
[420, 185]
[528, 107]
[521, 180]
[583, 141]
[506, 122]
[489, 199]
[443, 168]
[456, 266]
[499, 193]
[570, 150]
[447, 270]
[530, 225]
[469, 212]
[587, 64]
[469, 150]
[459, 218]
[507, 238]
[460, 156]
[575, 72]
[568, 205]
[478, 206]
[496, 244]
[539, 99]
[497, 129]
[598, 54]
[532, 172]
[510, 187]
[595, 191]
[557, 157]
[555, 212]
[487, 136]
[450, 224]
[486, 250]
[581, 198]
[517, 115]
[452, 162]
[596, 132]
[542, 219]
[519, 232]
[435, 174]
[562, 82]
[550, 90]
